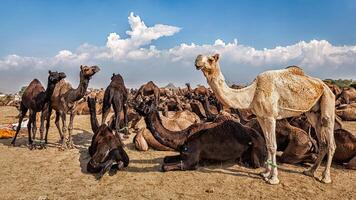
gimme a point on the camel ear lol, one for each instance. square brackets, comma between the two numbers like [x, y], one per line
[216, 57]
[81, 67]
[49, 71]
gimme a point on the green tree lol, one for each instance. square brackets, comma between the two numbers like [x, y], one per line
[22, 90]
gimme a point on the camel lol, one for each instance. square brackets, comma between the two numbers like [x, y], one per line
[347, 96]
[116, 95]
[226, 140]
[279, 94]
[175, 136]
[64, 100]
[347, 112]
[148, 89]
[34, 98]
[106, 148]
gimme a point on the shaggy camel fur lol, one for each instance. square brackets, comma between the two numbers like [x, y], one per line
[279, 94]
[106, 149]
[226, 140]
[116, 95]
[34, 98]
[148, 89]
[64, 100]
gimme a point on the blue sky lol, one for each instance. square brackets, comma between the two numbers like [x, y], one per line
[40, 29]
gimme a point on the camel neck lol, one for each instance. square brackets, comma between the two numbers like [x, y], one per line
[154, 123]
[93, 120]
[233, 98]
[49, 91]
[79, 92]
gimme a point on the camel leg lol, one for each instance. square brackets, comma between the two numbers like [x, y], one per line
[34, 126]
[172, 159]
[49, 112]
[70, 130]
[29, 127]
[23, 111]
[313, 118]
[58, 116]
[327, 109]
[117, 109]
[268, 126]
[64, 130]
[42, 128]
[126, 129]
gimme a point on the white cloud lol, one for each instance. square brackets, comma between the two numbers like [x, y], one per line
[140, 61]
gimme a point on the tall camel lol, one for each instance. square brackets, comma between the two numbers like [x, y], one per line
[64, 100]
[279, 94]
[34, 98]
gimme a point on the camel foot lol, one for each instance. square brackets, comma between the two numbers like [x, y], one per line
[63, 146]
[70, 144]
[273, 181]
[105, 169]
[31, 146]
[309, 172]
[326, 179]
[266, 175]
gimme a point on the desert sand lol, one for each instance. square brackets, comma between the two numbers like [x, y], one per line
[54, 174]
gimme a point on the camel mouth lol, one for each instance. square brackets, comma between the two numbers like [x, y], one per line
[96, 69]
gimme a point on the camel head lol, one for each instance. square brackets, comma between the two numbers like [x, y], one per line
[55, 77]
[146, 107]
[88, 72]
[208, 64]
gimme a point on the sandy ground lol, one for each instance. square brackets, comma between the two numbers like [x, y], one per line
[54, 174]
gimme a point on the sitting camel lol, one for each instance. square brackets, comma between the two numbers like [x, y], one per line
[64, 101]
[34, 98]
[347, 96]
[228, 140]
[347, 112]
[148, 89]
[295, 143]
[279, 94]
[176, 137]
[116, 95]
[106, 149]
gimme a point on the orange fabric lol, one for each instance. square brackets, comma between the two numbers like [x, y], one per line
[6, 133]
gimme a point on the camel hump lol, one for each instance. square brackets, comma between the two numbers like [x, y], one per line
[295, 70]
[35, 81]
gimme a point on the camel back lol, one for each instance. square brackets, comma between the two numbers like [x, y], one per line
[293, 89]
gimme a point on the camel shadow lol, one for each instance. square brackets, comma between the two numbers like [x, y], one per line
[82, 141]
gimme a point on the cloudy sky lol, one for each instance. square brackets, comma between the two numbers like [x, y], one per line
[159, 40]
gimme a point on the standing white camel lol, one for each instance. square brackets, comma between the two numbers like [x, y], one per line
[279, 94]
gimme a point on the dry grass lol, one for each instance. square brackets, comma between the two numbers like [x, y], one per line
[58, 174]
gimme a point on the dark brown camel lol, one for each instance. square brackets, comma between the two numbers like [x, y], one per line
[34, 98]
[106, 149]
[228, 140]
[64, 100]
[148, 89]
[116, 95]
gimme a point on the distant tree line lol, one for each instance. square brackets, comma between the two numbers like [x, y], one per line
[342, 82]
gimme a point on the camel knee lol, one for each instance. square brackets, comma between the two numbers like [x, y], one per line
[326, 121]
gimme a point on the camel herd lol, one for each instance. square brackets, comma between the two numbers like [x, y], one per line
[282, 110]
